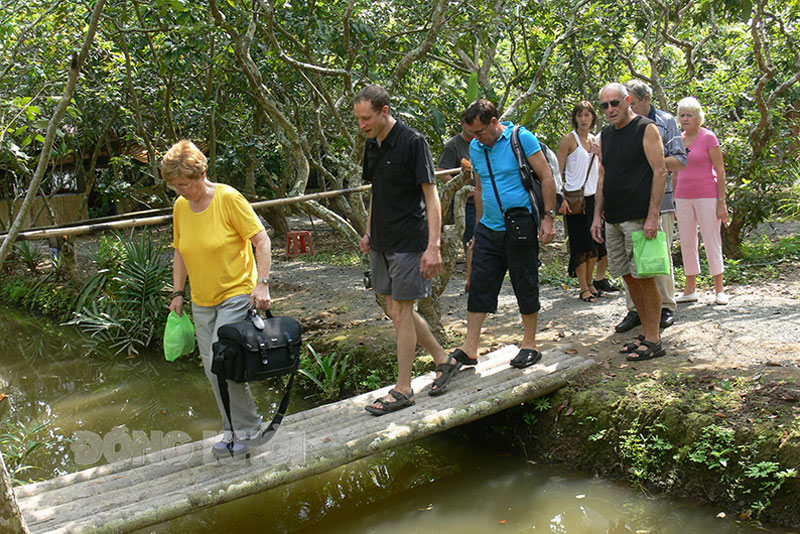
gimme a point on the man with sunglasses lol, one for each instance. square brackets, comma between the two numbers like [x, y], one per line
[629, 194]
[675, 159]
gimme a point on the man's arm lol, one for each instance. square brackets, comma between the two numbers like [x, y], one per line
[654, 150]
[542, 169]
[599, 204]
[675, 156]
[432, 258]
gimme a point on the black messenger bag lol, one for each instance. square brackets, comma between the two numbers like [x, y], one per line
[256, 349]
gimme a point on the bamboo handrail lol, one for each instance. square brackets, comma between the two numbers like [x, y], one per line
[68, 230]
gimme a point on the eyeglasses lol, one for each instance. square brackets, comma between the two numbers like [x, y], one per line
[477, 133]
[179, 187]
[614, 103]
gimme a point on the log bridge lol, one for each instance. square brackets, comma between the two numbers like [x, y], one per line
[162, 485]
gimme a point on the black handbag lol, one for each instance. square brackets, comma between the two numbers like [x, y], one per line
[256, 349]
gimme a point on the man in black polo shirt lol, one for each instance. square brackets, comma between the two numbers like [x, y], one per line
[403, 236]
[629, 194]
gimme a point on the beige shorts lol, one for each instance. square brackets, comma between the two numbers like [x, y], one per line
[619, 244]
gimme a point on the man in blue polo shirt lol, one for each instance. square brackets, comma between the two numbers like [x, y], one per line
[495, 252]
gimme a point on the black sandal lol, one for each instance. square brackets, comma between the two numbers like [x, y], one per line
[631, 346]
[647, 351]
[591, 298]
[401, 401]
[448, 370]
[525, 358]
[461, 357]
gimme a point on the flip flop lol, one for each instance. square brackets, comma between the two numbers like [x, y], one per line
[525, 358]
[448, 370]
[461, 357]
[402, 401]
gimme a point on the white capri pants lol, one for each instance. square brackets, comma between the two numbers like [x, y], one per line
[702, 212]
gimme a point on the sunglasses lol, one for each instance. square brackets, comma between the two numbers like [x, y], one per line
[614, 103]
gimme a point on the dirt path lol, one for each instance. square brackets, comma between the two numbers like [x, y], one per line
[757, 330]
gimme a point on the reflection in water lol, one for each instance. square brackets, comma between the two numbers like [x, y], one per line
[51, 375]
[441, 484]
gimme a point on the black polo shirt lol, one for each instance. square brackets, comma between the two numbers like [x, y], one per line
[396, 169]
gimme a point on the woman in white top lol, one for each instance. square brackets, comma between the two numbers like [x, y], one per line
[580, 166]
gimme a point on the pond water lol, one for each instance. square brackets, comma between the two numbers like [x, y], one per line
[442, 484]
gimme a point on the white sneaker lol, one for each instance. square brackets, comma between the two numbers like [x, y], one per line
[722, 298]
[691, 297]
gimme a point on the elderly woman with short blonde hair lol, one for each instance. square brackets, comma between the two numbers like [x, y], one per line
[215, 231]
[700, 200]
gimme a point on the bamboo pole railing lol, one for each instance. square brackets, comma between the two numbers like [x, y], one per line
[111, 223]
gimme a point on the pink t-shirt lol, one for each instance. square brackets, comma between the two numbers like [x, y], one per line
[699, 178]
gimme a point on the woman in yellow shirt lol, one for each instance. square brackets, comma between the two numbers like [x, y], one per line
[214, 227]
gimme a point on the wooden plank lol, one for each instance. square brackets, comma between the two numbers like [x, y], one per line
[128, 495]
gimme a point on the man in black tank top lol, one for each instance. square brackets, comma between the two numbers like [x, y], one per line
[629, 194]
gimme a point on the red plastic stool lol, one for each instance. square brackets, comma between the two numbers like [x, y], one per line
[299, 243]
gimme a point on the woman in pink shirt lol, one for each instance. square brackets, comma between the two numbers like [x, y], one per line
[700, 200]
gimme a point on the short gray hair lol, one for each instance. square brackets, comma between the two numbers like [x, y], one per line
[639, 88]
[690, 103]
[616, 86]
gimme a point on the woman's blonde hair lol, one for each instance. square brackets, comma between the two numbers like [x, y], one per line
[183, 160]
[691, 104]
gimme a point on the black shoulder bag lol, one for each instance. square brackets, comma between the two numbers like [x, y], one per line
[253, 350]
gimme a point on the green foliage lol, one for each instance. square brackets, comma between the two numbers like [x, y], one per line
[127, 311]
[27, 255]
[644, 449]
[19, 444]
[328, 373]
[714, 447]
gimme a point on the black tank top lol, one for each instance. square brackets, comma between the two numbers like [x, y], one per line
[628, 179]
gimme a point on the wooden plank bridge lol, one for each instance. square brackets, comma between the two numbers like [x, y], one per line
[139, 492]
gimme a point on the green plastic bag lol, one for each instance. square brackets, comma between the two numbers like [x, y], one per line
[178, 336]
[651, 255]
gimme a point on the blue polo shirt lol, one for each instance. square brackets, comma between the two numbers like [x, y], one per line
[506, 174]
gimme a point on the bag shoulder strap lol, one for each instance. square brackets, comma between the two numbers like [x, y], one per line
[589, 170]
[494, 184]
[269, 432]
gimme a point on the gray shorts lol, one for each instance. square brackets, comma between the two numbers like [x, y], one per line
[619, 245]
[397, 274]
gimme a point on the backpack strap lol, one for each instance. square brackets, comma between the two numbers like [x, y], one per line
[525, 168]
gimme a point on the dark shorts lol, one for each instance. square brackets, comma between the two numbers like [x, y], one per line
[397, 274]
[492, 257]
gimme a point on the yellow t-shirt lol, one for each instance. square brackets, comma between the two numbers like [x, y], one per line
[215, 246]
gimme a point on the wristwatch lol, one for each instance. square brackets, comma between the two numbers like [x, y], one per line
[263, 280]
[551, 213]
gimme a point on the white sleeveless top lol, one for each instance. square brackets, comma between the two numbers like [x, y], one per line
[577, 164]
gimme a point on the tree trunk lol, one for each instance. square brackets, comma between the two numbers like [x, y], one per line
[52, 126]
[11, 520]
[732, 238]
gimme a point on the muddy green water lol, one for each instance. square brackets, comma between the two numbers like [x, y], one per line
[440, 484]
